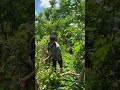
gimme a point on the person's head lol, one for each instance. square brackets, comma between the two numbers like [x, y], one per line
[52, 38]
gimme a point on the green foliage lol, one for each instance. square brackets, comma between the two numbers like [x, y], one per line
[16, 30]
[13, 59]
[68, 23]
[101, 38]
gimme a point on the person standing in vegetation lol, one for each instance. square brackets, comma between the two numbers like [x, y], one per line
[54, 52]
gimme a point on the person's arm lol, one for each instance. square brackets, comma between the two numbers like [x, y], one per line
[49, 46]
[28, 76]
[23, 80]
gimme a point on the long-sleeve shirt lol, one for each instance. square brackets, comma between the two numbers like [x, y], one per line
[55, 49]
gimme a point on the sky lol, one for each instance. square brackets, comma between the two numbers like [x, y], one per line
[41, 4]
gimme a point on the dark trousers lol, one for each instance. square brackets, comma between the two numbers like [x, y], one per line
[55, 63]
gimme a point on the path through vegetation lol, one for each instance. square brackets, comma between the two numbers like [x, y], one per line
[68, 79]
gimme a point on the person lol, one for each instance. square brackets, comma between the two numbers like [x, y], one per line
[54, 52]
[31, 61]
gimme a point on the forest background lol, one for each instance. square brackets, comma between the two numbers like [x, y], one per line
[67, 22]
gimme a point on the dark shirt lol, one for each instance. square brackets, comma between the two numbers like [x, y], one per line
[52, 47]
[55, 50]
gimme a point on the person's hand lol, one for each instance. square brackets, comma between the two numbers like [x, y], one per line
[53, 42]
[21, 82]
[44, 61]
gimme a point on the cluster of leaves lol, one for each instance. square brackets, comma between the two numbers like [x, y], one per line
[13, 58]
[102, 43]
[16, 30]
